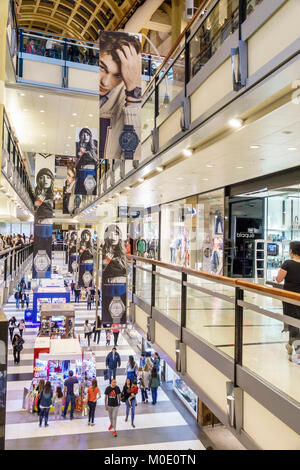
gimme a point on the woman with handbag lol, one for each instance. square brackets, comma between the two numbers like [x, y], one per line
[46, 397]
[17, 344]
[93, 394]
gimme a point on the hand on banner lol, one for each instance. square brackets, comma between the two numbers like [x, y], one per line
[130, 67]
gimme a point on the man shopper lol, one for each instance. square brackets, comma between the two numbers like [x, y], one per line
[113, 361]
[112, 403]
[69, 394]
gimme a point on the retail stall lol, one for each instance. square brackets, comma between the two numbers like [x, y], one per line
[57, 319]
[53, 294]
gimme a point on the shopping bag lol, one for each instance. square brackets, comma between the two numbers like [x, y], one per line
[85, 410]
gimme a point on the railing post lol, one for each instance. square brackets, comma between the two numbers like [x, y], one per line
[11, 263]
[238, 332]
[242, 15]
[65, 68]
[133, 277]
[5, 267]
[153, 285]
[183, 303]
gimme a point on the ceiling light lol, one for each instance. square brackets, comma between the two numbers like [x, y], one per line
[74, 114]
[69, 137]
[117, 194]
[42, 96]
[91, 115]
[44, 143]
[25, 110]
[205, 179]
[71, 125]
[209, 166]
[44, 135]
[67, 145]
[239, 167]
[42, 122]
[159, 168]
[141, 180]
[187, 152]
[42, 111]
[22, 94]
[235, 123]
[292, 149]
[254, 147]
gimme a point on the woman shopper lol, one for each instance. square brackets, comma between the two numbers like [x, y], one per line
[21, 327]
[116, 332]
[11, 326]
[93, 394]
[131, 369]
[87, 331]
[46, 397]
[154, 384]
[89, 301]
[290, 273]
[156, 362]
[17, 344]
[58, 397]
[126, 393]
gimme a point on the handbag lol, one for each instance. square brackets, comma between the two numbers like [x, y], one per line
[123, 399]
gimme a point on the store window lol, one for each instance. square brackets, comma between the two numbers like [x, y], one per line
[143, 232]
[175, 383]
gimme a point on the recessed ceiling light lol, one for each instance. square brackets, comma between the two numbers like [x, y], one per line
[117, 194]
[159, 168]
[292, 149]
[42, 96]
[209, 166]
[22, 94]
[71, 125]
[44, 143]
[254, 146]
[67, 145]
[44, 135]
[69, 137]
[239, 167]
[179, 179]
[235, 123]
[42, 111]
[91, 115]
[187, 152]
[42, 122]
[128, 188]
[74, 114]
[25, 110]
[205, 179]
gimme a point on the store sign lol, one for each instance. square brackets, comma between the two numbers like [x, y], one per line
[86, 257]
[86, 161]
[120, 88]
[43, 215]
[114, 272]
[245, 235]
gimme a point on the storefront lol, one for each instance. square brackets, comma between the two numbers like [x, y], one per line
[143, 231]
[186, 395]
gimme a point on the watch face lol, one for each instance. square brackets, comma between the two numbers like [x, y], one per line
[87, 277]
[41, 262]
[129, 141]
[116, 308]
[137, 92]
[89, 183]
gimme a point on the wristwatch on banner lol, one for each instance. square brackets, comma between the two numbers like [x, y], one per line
[89, 183]
[128, 141]
[135, 93]
[116, 309]
[41, 262]
[87, 277]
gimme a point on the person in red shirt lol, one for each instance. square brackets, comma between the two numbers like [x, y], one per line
[133, 392]
[116, 332]
[30, 48]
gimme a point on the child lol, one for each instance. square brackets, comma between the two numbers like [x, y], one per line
[108, 336]
[133, 392]
[58, 402]
[143, 389]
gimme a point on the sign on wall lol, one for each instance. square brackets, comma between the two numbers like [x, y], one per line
[86, 161]
[120, 88]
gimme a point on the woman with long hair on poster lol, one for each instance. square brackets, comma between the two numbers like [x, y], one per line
[113, 253]
[44, 196]
[86, 166]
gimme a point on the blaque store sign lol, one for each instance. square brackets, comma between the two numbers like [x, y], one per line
[245, 235]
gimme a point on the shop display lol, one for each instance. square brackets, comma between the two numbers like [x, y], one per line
[46, 295]
[175, 383]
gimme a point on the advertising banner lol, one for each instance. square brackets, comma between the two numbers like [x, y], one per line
[120, 88]
[114, 270]
[72, 249]
[86, 161]
[43, 215]
[86, 257]
[71, 201]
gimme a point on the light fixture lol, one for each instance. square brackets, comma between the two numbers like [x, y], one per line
[44, 135]
[25, 110]
[117, 194]
[42, 96]
[42, 122]
[74, 114]
[128, 188]
[69, 137]
[205, 179]
[71, 125]
[141, 180]
[239, 167]
[292, 149]
[22, 94]
[67, 145]
[42, 111]
[187, 152]
[254, 147]
[235, 123]
[159, 168]
[91, 115]
[209, 166]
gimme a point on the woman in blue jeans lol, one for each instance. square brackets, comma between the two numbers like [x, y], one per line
[131, 369]
[125, 395]
[154, 384]
[45, 402]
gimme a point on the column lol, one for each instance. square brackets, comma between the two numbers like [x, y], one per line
[3, 22]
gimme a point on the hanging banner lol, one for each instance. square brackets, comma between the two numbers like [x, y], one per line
[86, 257]
[71, 201]
[43, 216]
[114, 270]
[120, 88]
[86, 161]
[72, 249]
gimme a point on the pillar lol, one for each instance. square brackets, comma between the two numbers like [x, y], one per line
[3, 23]
[176, 19]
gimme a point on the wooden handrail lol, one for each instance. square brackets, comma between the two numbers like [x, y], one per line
[268, 290]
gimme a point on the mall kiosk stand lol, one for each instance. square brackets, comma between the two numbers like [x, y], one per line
[3, 375]
[54, 295]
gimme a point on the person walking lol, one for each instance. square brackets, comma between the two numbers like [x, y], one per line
[11, 326]
[131, 369]
[143, 388]
[97, 331]
[116, 331]
[112, 404]
[290, 273]
[17, 298]
[27, 301]
[72, 287]
[142, 360]
[77, 295]
[112, 361]
[129, 395]
[17, 344]
[21, 327]
[89, 301]
[23, 299]
[46, 397]
[156, 362]
[154, 384]
[58, 397]
[93, 394]
[69, 394]
[87, 331]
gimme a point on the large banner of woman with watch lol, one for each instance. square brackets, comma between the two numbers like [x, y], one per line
[86, 161]
[120, 90]
[114, 270]
[72, 251]
[86, 258]
[43, 215]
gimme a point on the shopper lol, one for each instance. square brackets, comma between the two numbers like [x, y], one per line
[290, 273]
[142, 360]
[116, 332]
[77, 295]
[69, 394]
[23, 299]
[87, 331]
[93, 394]
[154, 384]
[73, 287]
[17, 344]
[97, 331]
[156, 362]
[131, 369]
[27, 301]
[143, 388]
[17, 299]
[58, 398]
[89, 301]
[11, 326]
[112, 403]
[108, 337]
[112, 361]
[46, 397]
[126, 395]
[21, 327]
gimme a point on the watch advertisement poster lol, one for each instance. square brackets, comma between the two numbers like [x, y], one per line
[72, 243]
[86, 161]
[43, 215]
[120, 91]
[86, 257]
[114, 282]
[71, 201]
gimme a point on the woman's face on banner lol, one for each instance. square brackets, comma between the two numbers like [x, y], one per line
[86, 137]
[114, 237]
[86, 237]
[110, 75]
[45, 181]
[70, 177]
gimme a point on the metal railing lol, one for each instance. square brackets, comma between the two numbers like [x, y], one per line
[245, 321]
[12, 259]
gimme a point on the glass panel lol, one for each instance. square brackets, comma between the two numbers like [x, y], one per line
[148, 115]
[217, 27]
[48, 46]
[168, 294]
[172, 83]
[210, 317]
[83, 54]
[143, 283]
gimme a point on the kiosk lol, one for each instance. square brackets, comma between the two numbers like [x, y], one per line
[46, 295]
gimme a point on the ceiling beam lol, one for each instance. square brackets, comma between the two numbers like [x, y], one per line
[159, 22]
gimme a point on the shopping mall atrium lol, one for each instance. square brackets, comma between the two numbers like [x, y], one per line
[185, 259]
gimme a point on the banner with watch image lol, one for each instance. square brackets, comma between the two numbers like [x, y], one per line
[43, 215]
[86, 161]
[72, 249]
[114, 271]
[120, 90]
[86, 257]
